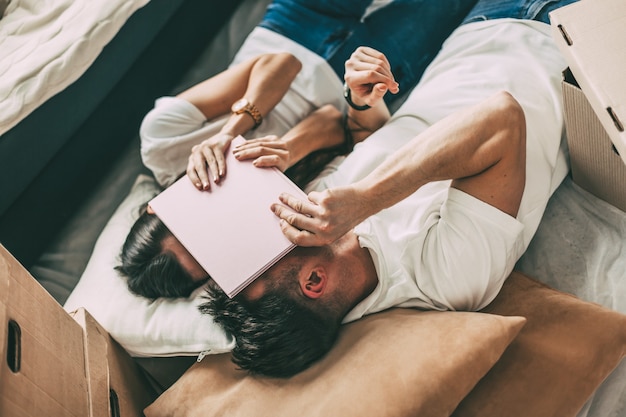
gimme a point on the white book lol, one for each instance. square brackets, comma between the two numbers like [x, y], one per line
[230, 229]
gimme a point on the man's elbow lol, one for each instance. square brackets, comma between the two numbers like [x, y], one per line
[509, 110]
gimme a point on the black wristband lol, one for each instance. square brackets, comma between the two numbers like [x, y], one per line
[347, 94]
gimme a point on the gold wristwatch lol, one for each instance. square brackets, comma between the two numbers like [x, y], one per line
[244, 106]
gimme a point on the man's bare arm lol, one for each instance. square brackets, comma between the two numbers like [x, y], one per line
[482, 149]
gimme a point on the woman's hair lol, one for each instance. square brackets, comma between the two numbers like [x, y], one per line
[279, 334]
[150, 271]
[309, 167]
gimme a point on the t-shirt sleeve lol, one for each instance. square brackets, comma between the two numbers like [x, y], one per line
[467, 254]
[168, 133]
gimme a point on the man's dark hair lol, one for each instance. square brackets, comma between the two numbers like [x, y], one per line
[150, 271]
[278, 335]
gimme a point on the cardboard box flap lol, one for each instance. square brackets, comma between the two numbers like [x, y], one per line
[592, 37]
[42, 371]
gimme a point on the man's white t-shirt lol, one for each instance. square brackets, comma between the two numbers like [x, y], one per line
[454, 251]
[173, 126]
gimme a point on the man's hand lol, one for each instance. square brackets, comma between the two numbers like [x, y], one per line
[208, 157]
[369, 77]
[268, 151]
[323, 218]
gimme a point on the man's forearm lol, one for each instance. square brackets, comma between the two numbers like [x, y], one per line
[363, 123]
[462, 147]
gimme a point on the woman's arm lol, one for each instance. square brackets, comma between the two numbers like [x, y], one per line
[368, 76]
[263, 81]
[322, 129]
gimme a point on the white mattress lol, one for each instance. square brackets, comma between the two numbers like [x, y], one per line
[45, 45]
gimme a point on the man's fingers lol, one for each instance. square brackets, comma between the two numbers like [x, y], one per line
[306, 208]
[297, 236]
[293, 215]
[368, 66]
[294, 227]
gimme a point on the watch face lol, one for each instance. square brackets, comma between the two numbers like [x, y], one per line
[239, 105]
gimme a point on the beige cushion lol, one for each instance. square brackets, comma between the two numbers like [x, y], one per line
[409, 363]
[567, 348]
[397, 363]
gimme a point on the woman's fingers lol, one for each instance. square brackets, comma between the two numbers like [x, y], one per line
[266, 152]
[205, 163]
[193, 175]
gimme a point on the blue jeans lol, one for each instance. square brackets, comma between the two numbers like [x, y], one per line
[517, 9]
[408, 32]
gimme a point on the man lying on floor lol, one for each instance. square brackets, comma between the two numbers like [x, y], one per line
[431, 211]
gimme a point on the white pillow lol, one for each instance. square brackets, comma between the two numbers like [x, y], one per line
[144, 328]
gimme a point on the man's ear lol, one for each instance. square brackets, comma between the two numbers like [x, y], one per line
[149, 209]
[314, 284]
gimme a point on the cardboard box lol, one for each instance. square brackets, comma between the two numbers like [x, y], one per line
[42, 370]
[118, 386]
[592, 37]
[57, 364]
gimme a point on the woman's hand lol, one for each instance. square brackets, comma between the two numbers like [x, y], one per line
[323, 218]
[208, 158]
[268, 151]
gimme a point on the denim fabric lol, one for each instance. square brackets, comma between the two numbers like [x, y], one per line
[408, 32]
[518, 9]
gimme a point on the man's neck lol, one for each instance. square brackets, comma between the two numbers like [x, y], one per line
[363, 271]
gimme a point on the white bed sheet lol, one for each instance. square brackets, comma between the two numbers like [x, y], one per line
[580, 248]
[45, 45]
